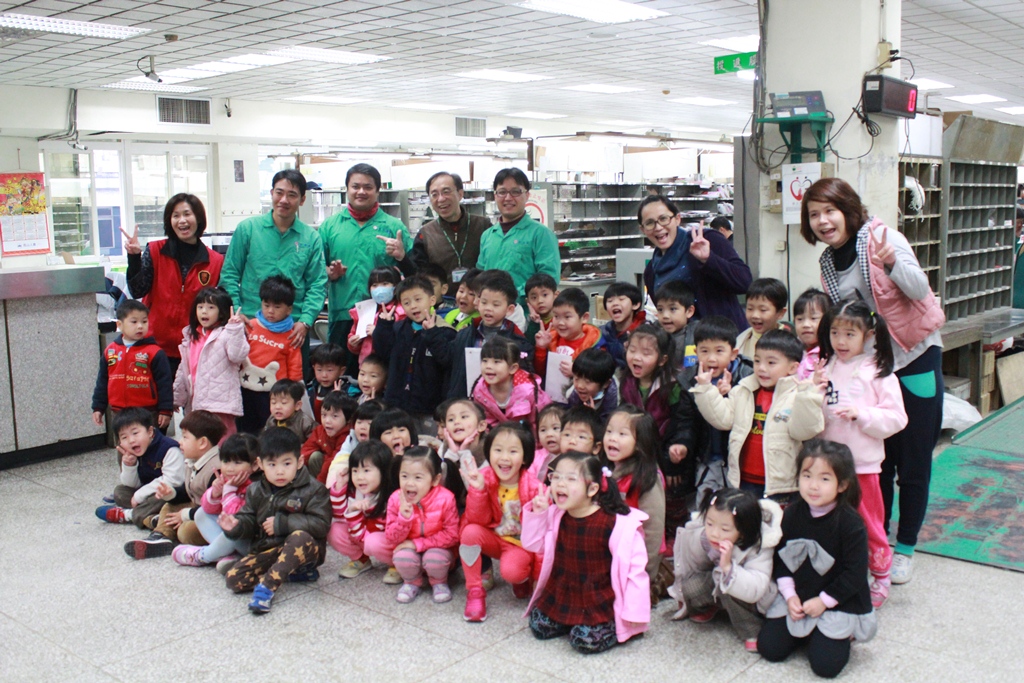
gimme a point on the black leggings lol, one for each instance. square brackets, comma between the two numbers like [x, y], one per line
[826, 655]
[908, 454]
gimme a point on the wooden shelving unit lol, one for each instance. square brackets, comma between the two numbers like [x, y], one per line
[922, 226]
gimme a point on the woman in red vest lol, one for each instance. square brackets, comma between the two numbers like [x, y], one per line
[168, 273]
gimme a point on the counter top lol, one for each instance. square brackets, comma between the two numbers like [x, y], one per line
[25, 283]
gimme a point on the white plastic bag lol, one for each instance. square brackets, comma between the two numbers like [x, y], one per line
[958, 414]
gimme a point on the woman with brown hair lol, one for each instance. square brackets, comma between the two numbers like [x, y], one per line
[167, 274]
[866, 260]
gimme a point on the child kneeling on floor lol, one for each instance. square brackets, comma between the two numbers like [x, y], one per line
[593, 583]
[723, 558]
[148, 458]
[201, 431]
[286, 517]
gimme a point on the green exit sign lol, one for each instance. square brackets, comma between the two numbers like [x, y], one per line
[741, 61]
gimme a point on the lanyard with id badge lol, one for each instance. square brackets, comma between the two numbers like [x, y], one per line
[460, 272]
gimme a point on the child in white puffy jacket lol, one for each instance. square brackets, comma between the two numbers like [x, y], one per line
[723, 558]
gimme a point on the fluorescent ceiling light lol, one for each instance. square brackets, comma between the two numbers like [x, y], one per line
[693, 129]
[69, 27]
[1015, 111]
[146, 84]
[224, 67]
[736, 43]
[702, 101]
[476, 148]
[929, 84]
[975, 99]
[187, 74]
[746, 75]
[627, 140]
[503, 76]
[326, 99]
[167, 80]
[603, 89]
[600, 11]
[315, 54]
[624, 124]
[536, 115]
[259, 60]
[424, 106]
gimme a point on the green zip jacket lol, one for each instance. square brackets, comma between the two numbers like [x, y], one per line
[359, 249]
[259, 250]
[526, 249]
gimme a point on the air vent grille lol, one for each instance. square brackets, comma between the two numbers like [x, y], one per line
[470, 128]
[179, 110]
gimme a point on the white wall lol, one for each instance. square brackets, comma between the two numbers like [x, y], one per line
[234, 201]
[659, 163]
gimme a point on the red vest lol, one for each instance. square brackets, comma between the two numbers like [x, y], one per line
[130, 381]
[169, 300]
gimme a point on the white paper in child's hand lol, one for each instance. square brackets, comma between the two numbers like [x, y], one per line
[472, 368]
[555, 383]
[367, 311]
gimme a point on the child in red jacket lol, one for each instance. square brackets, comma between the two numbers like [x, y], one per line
[494, 515]
[422, 527]
[568, 333]
[324, 443]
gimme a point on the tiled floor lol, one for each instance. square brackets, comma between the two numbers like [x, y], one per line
[74, 607]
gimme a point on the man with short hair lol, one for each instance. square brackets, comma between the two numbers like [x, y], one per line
[452, 240]
[278, 243]
[358, 239]
[518, 244]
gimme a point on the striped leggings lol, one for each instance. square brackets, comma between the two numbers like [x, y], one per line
[434, 562]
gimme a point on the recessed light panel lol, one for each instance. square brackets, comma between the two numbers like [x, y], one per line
[424, 106]
[69, 27]
[503, 76]
[702, 101]
[1015, 111]
[736, 44]
[315, 54]
[259, 60]
[599, 11]
[975, 99]
[325, 99]
[536, 115]
[929, 84]
[602, 89]
[146, 84]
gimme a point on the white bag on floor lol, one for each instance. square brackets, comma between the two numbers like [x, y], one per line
[958, 414]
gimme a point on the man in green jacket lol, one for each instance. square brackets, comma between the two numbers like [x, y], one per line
[518, 244]
[279, 243]
[358, 239]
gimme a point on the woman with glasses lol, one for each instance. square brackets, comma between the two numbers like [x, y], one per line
[702, 258]
[452, 240]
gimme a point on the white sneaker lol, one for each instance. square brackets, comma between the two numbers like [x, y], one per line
[902, 566]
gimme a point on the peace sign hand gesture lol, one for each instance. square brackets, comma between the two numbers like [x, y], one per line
[820, 376]
[394, 247]
[700, 248]
[704, 374]
[236, 317]
[543, 338]
[884, 255]
[132, 244]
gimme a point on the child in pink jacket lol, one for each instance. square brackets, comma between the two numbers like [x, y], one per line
[213, 348]
[505, 391]
[422, 529]
[226, 495]
[597, 590]
[863, 407]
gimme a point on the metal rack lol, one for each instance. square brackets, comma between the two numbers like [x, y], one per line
[923, 227]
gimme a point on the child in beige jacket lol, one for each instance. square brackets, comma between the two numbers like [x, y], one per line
[769, 415]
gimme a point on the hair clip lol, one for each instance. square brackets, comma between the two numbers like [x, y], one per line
[734, 512]
[605, 473]
[713, 499]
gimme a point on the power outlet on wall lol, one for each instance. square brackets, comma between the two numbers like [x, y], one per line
[780, 245]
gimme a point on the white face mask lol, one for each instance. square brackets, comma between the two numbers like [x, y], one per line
[383, 294]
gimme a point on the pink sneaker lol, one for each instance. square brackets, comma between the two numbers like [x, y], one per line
[476, 605]
[750, 644]
[705, 616]
[879, 592]
[189, 555]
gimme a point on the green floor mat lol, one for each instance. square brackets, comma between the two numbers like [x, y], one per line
[1001, 432]
[976, 506]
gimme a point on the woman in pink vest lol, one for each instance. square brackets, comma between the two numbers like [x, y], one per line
[168, 273]
[866, 260]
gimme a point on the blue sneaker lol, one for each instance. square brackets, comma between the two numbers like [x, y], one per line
[261, 599]
[112, 514]
[109, 500]
[304, 574]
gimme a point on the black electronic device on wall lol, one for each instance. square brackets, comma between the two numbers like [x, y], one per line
[889, 96]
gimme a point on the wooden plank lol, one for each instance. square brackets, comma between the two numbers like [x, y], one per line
[1010, 375]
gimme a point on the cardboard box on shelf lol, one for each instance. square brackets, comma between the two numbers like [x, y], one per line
[957, 386]
[988, 363]
[988, 383]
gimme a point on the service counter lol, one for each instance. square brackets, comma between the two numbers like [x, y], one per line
[48, 368]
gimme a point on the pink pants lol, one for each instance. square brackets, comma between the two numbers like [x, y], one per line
[342, 541]
[229, 423]
[517, 564]
[435, 562]
[872, 511]
[376, 545]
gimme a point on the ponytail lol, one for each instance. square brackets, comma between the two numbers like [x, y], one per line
[859, 314]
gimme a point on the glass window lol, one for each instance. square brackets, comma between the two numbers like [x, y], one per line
[149, 193]
[189, 174]
[71, 195]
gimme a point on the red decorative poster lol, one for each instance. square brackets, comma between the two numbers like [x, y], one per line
[23, 224]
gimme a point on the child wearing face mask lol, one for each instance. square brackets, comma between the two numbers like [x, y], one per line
[382, 283]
